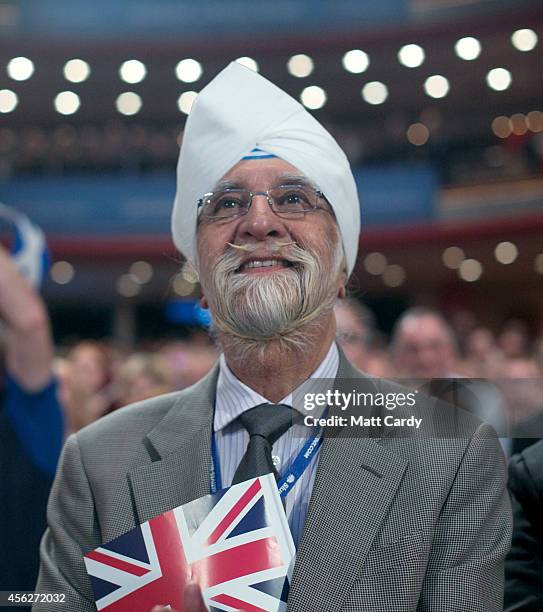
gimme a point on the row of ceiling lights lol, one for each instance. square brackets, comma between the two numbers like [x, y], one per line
[453, 257]
[300, 65]
[518, 124]
[312, 97]
[68, 102]
[131, 283]
[418, 133]
[376, 264]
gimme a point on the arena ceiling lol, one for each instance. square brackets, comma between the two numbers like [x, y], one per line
[464, 114]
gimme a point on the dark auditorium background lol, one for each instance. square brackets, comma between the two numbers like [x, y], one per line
[437, 103]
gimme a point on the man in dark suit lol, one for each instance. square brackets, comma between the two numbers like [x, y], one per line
[524, 564]
[388, 522]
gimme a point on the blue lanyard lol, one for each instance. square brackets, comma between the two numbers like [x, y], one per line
[291, 476]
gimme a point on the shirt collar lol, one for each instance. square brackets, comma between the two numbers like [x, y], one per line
[235, 397]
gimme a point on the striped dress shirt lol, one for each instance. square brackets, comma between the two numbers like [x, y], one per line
[234, 398]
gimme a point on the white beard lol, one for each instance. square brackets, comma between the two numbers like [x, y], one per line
[252, 310]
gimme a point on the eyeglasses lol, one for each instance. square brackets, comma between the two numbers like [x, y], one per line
[288, 201]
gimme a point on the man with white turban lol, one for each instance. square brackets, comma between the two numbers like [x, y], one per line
[267, 212]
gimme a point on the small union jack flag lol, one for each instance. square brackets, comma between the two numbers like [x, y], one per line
[236, 544]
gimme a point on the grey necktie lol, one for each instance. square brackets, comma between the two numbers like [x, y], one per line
[265, 424]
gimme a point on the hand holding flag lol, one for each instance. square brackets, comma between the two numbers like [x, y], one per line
[29, 249]
[192, 601]
[234, 545]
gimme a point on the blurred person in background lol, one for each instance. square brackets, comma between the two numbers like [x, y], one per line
[355, 334]
[482, 356]
[522, 384]
[142, 376]
[189, 361]
[274, 253]
[91, 366]
[423, 345]
[354, 325]
[513, 339]
[524, 564]
[31, 426]
[89, 390]
[424, 349]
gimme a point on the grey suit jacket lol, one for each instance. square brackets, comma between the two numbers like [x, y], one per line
[396, 523]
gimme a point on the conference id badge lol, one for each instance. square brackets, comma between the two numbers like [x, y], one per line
[236, 544]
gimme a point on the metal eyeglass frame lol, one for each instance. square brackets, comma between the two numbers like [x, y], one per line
[318, 193]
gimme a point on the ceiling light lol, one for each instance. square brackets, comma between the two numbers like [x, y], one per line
[470, 270]
[185, 101]
[535, 121]
[142, 271]
[418, 134]
[128, 103]
[452, 257]
[393, 276]
[132, 71]
[411, 56]
[436, 86]
[356, 61]
[375, 263]
[506, 252]
[300, 65]
[501, 126]
[524, 39]
[499, 79]
[62, 272]
[313, 97]
[67, 102]
[181, 286]
[467, 48]
[188, 70]
[248, 62]
[8, 100]
[20, 68]
[76, 70]
[375, 92]
[128, 286]
[519, 124]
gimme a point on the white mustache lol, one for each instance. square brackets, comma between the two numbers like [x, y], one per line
[249, 248]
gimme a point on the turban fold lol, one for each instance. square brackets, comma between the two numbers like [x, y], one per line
[238, 111]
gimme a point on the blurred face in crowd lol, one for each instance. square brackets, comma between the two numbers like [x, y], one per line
[142, 376]
[480, 343]
[424, 348]
[281, 272]
[352, 335]
[89, 366]
[514, 340]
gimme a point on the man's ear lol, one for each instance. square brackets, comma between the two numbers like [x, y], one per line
[204, 303]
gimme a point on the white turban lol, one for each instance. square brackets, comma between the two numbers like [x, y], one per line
[240, 110]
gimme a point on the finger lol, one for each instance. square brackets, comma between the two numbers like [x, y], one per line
[192, 599]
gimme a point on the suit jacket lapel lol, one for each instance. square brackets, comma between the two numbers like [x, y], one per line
[180, 446]
[355, 483]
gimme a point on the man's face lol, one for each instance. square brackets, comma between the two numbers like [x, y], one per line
[297, 267]
[424, 349]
